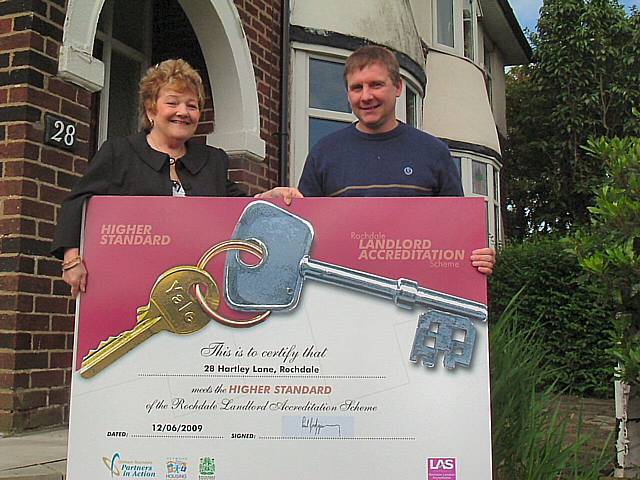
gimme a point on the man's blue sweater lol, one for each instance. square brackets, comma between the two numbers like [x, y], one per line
[404, 162]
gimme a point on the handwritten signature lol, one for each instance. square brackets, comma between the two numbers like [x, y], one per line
[314, 427]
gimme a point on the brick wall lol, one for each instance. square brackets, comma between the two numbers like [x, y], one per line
[36, 313]
[36, 316]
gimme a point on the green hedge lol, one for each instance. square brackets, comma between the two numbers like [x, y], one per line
[575, 321]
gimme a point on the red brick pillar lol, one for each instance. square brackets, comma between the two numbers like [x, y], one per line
[261, 24]
[36, 314]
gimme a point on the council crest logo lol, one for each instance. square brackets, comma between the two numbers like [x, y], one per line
[207, 469]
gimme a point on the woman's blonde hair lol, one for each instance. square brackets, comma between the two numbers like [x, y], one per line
[174, 73]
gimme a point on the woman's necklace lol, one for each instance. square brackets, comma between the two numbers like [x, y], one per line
[174, 154]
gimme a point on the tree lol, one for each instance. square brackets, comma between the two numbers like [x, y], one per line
[610, 250]
[583, 83]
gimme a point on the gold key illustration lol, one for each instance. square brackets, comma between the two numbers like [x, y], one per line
[172, 306]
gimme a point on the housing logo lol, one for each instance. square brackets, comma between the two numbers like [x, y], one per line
[176, 467]
[207, 469]
[119, 467]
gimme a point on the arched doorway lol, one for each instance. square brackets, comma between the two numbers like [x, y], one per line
[222, 45]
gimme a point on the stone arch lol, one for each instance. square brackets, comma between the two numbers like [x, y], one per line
[226, 53]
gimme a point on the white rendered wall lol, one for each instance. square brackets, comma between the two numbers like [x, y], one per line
[385, 22]
[423, 15]
[456, 105]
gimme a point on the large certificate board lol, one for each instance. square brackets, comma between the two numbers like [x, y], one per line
[325, 390]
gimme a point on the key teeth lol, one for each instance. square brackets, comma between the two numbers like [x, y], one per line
[100, 346]
[87, 367]
[443, 341]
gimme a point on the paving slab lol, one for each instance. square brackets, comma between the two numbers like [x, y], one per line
[40, 455]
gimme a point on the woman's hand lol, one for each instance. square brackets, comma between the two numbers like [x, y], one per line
[76, 276]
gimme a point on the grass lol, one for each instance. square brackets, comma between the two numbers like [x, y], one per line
[530, 437]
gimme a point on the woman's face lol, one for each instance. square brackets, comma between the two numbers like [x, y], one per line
[176, 115]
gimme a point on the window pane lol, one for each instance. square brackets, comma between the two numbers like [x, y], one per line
[488, 224]
[467, 22]
[326, 86]
[98, 48]
[479, 177]
[496, 184]
[123, 101]
[488, 74]
[128, 24]
[412, 107]
[457, 161]
[319, 128]
[102, 20]
[487, 59]
[445, 22]
[496, 217]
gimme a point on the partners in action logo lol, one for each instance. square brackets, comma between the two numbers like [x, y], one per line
[128, 468]
[112, 464]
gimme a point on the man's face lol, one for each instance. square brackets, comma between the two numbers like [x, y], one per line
[372, 96]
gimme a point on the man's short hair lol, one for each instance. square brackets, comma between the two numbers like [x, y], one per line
[370, 54]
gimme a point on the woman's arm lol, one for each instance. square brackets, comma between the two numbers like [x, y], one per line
[73, 271]
[66, 241]
[95, 181]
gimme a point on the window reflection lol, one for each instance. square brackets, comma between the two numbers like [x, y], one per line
[326, 86]
[123, 106]
[496, 220]
[445, 22]
[479, 177]
[467, 28]
[412, 108]
[458, 163]
[319, 128]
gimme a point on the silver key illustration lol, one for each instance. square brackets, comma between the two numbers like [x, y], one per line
[276, 282]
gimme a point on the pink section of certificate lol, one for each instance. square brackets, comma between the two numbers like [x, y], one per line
[130, 241]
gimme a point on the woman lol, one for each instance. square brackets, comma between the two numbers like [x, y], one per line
[161, 160]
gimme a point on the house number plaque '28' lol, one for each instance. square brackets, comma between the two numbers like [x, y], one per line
[59, 132]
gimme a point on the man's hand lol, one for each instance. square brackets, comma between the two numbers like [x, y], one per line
[484, 259]
[285, 193]
[75, 277]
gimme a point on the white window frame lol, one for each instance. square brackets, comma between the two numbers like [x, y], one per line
[458, 36]
[109, 44]
[301, 111]
[495, 234]
[458, 30]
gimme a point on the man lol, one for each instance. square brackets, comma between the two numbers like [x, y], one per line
[378, 156]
